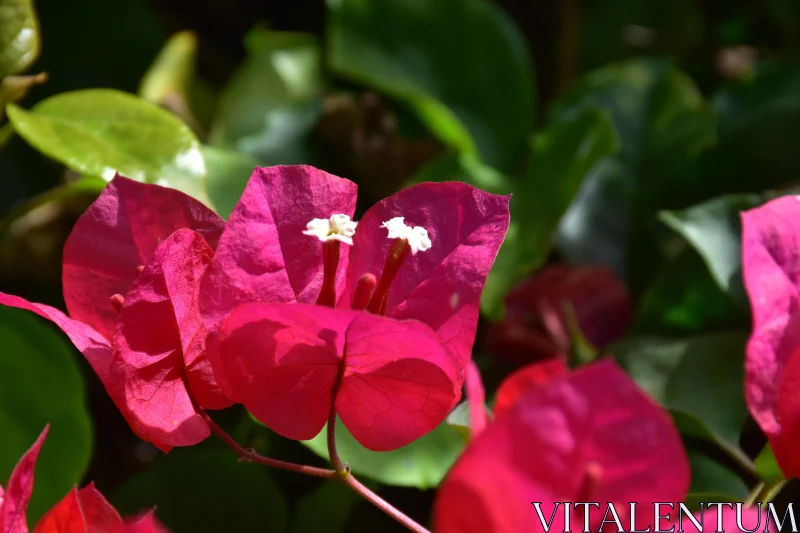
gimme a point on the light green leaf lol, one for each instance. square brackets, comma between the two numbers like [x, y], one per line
[172, 71]
[474, 93]
[228, 173]
[714, 229]
[273, 99]
[41, 385]
[205, 491]
[421, 464]
[103, 131]
[564, 154]
[19, 36]
[691, 375]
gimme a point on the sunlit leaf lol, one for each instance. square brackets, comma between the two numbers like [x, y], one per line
[19, 36]
[100, 132]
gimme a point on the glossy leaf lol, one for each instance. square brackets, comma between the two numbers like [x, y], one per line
[711, 477]
[228, 172]
[421, 464]
[19, 36]
[428, 55]
[564, 154]
[169, 79]
[34, 354]
[689, 375]
[272, 100]
[239, 490]
[767, 466]
[713, 228]
[101, 132]
[663, 125]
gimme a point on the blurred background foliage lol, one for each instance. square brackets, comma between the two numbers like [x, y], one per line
[631, 133]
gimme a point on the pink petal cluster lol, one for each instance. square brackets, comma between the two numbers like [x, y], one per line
[81, 511]
[587, 436]
[392, 375]
[118, 261]
[155, 285]
[771, 268]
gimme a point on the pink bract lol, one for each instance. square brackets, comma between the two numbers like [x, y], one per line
[14, 500]
[591, 436]
[433, 301]
[112, 243]
[396, 382]
[771, 268]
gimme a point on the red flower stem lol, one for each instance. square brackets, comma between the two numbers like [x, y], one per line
[253, 457]
[330, 264]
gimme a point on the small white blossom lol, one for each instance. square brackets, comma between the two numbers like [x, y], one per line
[339, 227]
[417, 236]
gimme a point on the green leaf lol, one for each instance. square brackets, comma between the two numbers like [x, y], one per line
[714, 229]
[422, 464]
[172, 72]
[702, 376]
[228, 173]
[759, 119]
[460, 166]
[767, 466]
[327, 508]
[710, 477]
[205, 490]
[564, 154]
[273, 99]
[19, 36]
[458, 419]
[41, 385]
[461, 65]
[102, 131]
[684, 299]
[86, 185]
[663, 126]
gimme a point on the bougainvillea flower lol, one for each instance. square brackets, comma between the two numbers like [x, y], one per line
[418, 263]
[589, 436]
[722, 517]
[522, 381]
[395, 381]
[535, 325]
[771, 268]
[81, 511]
[111, 246]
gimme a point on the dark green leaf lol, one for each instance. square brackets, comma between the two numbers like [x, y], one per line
[463, 167]
[421, 464]
[710, 477]
[685, 299]
[207, 490]
[228, 173]
[41, 385]
[19, 36]
[564, 154]
[702, 376]
[462, 65]
[273, 99]
[767, 466]
[327, 508]
[102, 131]
[663, 125]
[713, 228]
[86, 185]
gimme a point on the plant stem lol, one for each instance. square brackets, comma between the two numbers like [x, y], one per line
[253, 457]
[383, 505]
[765, 492]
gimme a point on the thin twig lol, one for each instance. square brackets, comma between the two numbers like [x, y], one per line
[383, 505]
[254, 457]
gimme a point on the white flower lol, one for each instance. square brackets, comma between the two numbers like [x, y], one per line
[417, 236]
[339, 227]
